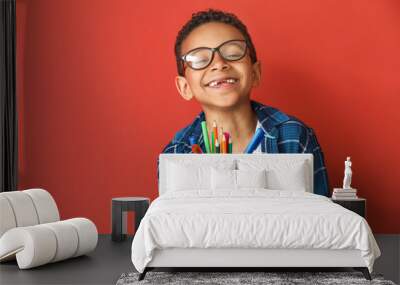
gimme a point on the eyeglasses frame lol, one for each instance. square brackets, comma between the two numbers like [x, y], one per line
[213, 50]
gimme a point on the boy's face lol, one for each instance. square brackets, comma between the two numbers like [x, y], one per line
[195, 82]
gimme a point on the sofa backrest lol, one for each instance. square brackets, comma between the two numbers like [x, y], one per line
[283, 163]
[26, 208]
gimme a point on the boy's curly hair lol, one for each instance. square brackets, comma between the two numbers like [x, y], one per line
[207, 16]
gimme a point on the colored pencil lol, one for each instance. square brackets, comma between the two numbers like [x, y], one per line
[226, 136]
[230, 145]
[215, 130]
[223, 144]
[212, 143]
[220, 139]
[217, 148]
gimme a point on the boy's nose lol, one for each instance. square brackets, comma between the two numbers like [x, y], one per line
[218, 63]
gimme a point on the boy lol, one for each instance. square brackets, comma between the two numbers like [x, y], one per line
[217, 66]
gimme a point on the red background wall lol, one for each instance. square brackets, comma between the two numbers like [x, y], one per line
[97, 102]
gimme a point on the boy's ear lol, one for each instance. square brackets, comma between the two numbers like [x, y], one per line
[183, 87]
[256, 73]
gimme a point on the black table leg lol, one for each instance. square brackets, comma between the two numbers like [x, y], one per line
[118, 221]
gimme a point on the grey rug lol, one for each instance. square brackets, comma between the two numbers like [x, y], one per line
[269, 278]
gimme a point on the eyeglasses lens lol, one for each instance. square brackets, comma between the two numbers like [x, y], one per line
[199, 58]
[234, 50]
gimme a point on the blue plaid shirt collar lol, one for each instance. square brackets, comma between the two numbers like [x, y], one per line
[268, 117]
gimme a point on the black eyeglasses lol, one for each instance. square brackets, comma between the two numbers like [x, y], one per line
[201, 57]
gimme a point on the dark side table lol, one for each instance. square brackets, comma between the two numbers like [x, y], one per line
[119, 208]
[356, 205]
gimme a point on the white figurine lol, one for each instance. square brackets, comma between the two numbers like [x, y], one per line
[347, 174]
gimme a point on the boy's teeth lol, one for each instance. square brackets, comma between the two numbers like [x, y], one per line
[218, 82]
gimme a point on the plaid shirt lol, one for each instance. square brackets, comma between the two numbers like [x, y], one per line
[283, 134]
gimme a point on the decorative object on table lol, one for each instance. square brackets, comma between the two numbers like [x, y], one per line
[119, 208]
[344, 194]
[347, 174]
[248, 278]
[347, 192]
[357, 205]
[31, 231]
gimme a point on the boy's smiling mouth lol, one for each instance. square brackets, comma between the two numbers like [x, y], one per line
[222, 82]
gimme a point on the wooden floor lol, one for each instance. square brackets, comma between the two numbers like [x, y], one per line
[111, 259]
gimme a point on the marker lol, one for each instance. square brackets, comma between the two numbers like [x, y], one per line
[255, 141]
[192, 140]
[205, 136]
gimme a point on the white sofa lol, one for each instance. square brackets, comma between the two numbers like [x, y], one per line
[31, 231]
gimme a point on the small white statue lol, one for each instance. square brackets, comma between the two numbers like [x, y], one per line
[347, 174]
